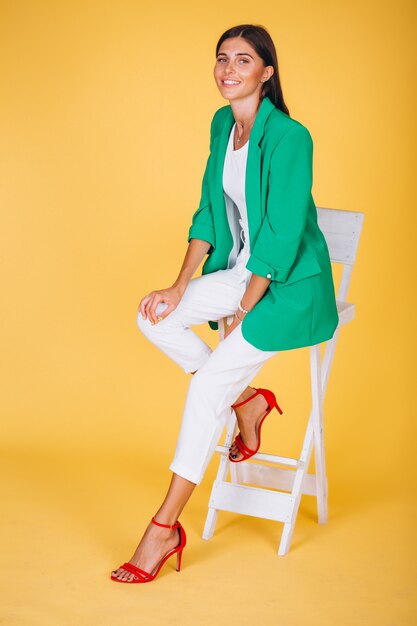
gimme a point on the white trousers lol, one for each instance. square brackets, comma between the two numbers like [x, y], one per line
[221, 374]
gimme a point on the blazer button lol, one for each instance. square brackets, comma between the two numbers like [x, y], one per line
[269, 275]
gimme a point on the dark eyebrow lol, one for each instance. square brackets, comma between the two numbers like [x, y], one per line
[237, 54]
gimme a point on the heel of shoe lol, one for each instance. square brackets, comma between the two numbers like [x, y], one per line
[179, 557]
[280, 411]
[271, 399]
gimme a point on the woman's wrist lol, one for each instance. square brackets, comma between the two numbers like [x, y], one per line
[241, 312]
[238, 318]
[180, 284]
[242, 308]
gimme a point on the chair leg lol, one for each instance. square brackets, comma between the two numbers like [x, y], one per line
[211, 519]
[318, 433]
[297, 488]
[210, 525]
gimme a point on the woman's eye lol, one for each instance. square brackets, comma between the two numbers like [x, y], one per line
[223, 59]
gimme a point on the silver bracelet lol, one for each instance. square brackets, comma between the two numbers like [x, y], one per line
[241, 308]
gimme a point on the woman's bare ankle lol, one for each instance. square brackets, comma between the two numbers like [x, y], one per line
[246, 393]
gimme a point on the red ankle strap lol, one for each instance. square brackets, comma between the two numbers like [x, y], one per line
[176, 525]
[235, 406]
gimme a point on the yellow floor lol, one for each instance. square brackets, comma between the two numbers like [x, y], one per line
[69, 519]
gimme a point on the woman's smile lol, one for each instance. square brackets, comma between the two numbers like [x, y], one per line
[231, 83]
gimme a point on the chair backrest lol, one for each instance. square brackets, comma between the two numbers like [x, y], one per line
[342, 231]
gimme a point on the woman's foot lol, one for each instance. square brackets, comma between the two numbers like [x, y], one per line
[248, 416]
[155, 543]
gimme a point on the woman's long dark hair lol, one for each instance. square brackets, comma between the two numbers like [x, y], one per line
[260, 40]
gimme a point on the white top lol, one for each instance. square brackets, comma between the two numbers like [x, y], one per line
[234, 177]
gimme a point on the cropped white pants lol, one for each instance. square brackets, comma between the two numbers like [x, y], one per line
[221, 374]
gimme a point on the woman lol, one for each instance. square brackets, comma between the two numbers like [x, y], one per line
[268, 266]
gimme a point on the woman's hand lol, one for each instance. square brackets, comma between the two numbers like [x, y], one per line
[196, 251]
[171, 297]
[232, 326]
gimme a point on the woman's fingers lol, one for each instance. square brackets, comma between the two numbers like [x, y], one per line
[169, 308]
[160, 308]
[231, 328]
[150, 308]
[142, 305]
[149, 304]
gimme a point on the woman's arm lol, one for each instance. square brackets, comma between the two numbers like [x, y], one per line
[254, 291]
[196, 251]
[200, 240]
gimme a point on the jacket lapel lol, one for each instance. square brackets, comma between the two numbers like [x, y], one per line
[253, 167]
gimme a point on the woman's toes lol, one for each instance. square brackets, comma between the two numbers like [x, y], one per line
[123, 574]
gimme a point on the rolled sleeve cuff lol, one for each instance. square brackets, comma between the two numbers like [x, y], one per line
[256, 266]
[202, 231]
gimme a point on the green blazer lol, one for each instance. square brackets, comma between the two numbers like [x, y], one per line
[287, 246]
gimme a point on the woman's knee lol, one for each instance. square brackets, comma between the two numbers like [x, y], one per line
[145, 326]
[203, 385]
[155, 332]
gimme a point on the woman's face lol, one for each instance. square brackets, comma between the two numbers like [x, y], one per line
[239, 69]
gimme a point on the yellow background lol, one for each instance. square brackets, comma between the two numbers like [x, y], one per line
[105, 112]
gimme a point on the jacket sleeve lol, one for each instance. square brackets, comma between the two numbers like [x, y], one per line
[202, 226]
[289, 193]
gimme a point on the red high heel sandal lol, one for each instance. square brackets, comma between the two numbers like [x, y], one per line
[272, 403]
[146, 577]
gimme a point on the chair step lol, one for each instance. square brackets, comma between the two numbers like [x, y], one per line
[261, 456]
[270, 477]
[253, 501]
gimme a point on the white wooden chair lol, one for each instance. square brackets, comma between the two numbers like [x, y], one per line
[273, 492]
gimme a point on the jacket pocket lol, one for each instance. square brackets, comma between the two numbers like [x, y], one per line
[302, 269]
